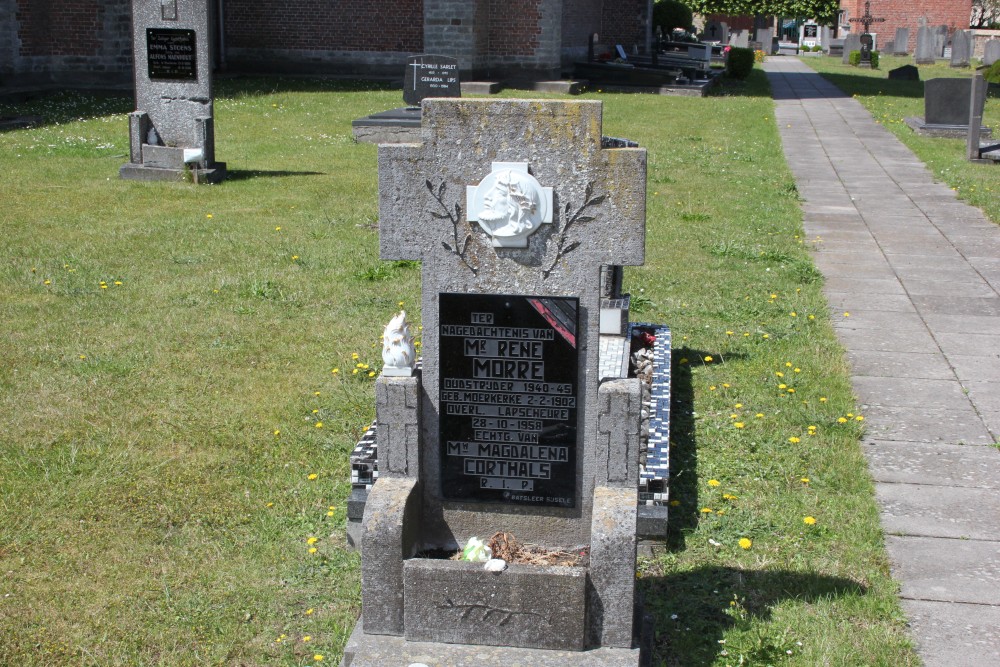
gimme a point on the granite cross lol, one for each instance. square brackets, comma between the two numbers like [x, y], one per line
[549, 206]
[866, 21]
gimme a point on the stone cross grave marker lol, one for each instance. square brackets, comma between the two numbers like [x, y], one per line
[171, 131]
[513, 207]
[866, 21]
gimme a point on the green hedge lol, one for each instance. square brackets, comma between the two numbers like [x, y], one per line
[855, 59]
[739, 62]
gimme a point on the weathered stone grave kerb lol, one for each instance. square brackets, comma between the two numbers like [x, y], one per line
[425, 76]
[171, 132]
[513, 207]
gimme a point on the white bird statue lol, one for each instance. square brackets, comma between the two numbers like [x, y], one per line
[399, 356]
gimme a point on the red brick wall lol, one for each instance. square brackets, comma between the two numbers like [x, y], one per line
[899, 14]
[514, 28]
[580, 19]
[59, 27]
[623, 22]
[334, 25]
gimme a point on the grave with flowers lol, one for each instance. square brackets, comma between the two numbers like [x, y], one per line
[526, 420]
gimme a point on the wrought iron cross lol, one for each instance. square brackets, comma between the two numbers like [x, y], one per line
[867, 19]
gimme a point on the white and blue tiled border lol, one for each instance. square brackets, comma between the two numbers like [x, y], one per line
[654, 472]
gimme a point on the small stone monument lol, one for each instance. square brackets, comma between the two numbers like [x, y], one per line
[514, 208]
[852, 42]
[991, 51]
[426, 76]
[961, 49]
[926, 51]
[171, 132]
[901, 42]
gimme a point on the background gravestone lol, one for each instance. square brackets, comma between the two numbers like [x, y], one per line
[961, 49]
[171, 131]
[925, 53]
[991, 51]
[430, 76]
[740, 38]
[940, 40]
[947, 109]
[852, 42]
[901, 42]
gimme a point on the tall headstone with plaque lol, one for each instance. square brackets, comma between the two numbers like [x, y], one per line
[513, 207]
[171, 132]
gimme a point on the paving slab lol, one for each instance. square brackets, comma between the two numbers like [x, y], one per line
[978, 367]
[974, 344]
[926, 424]
[864, 285]
[947, 323]
[941, 626]
[933, 464]
[886, 391]
[956, 512]
[958, 304]
[947, 570]
[973, 290]
[883, 340]
[846, 301]
[861, 318]
[900, 365]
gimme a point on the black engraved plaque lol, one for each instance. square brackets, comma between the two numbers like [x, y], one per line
[430, 76]
[171, 54]
[508, 398]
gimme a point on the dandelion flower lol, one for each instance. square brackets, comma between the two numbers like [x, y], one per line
[729, 333]
[306, 638]
[354, 372]
[809, 521]
[401, 304]
[312, 540]
[269, 505]
[313, 550]
[859, 418]
[738, 405]
[675, 503]
[47, 282]
[739, 424]
[714, 482]
[846, 314]
[277, 431]
[822, 399]
[712, 388]
[371, 374]
[794, 440]
[318, 658]
[708, 358]
[312, 476]
[797, 370]
[782, 386]
[725, 385]
[309, 612]
[793, 314]
[759, 415]
[745, 543]
[277, 229]
[329, 513]
[804, 480]
[706, 510]
[335, 371]
[779, 374]
[841, 420]
[319, 424]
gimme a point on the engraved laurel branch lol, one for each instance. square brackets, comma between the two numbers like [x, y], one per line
[507, 614]
[458, 248]
[561, 248]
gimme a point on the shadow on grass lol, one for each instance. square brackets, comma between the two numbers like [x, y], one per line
[250, 174]
[51, 108]
[859, 84]
[692, 611]
[683, 447]
[255, 86]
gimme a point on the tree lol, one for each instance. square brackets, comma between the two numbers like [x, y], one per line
[821, 10]
[985, 14]
[670, 14]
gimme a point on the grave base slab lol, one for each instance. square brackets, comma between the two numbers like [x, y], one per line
[944, 131]
[364, 650]
[138, 172]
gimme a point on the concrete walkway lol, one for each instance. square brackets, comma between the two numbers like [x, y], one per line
[919, 273]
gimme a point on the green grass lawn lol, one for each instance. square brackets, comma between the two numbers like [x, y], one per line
[891, 102]
[178, 394]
